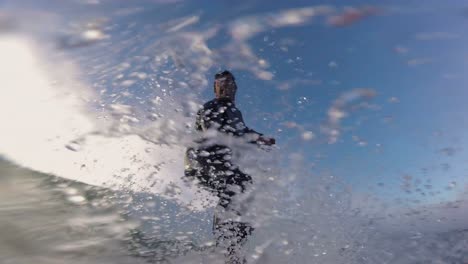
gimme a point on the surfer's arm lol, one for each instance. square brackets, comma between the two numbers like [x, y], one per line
[199, 121]
[254, 136]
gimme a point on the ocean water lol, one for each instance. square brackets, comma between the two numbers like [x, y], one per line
[98, 100]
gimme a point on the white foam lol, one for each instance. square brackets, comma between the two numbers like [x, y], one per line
[47, 121]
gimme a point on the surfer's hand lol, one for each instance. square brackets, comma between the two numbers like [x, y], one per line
[266, 141]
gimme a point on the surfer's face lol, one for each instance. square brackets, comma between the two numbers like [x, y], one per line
[225, 87]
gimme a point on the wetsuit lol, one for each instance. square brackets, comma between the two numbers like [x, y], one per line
[211, 165]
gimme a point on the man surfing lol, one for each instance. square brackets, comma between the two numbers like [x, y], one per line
[210, 162]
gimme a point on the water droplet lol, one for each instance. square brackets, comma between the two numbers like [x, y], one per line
[73, 146]
[308, 135]
[78, 199]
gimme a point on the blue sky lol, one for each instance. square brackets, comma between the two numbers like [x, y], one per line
[416, 54]
[412, 55]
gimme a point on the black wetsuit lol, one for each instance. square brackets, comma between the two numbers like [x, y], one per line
[215, 171]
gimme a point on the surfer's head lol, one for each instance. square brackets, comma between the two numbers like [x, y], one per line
[225, 85]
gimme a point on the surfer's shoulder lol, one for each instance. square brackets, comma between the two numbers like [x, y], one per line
[210, 104]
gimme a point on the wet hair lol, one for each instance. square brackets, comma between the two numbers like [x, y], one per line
[223, 74]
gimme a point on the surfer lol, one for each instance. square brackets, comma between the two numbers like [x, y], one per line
[210, 162]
